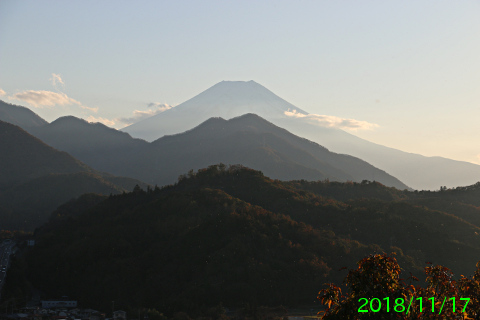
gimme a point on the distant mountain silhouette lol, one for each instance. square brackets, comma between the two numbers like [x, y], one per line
[24, 157]
[229, 99]
[20, 116]
[254, 142]
[248, 140]
[37, 178]
[417, 171]
[99, 146]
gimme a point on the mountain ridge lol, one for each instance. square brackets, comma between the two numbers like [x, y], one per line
[279, 153]
[236, 141]
[36, 178]
[435, 171]
[226, 99]
[20, 116]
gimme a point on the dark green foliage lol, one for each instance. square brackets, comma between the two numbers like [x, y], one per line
[228, 234]
[177, 249]
[351, 190]
[16, 288]
[417, 230]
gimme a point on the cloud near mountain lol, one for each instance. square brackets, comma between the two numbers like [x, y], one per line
[105, 121]
[332, 121]
[43, 98]
[154, 108]
[2, 93]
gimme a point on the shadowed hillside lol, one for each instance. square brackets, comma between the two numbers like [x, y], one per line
[231, 235]
[37, 178]
[20, 116]
[24, 157]
[253, 142]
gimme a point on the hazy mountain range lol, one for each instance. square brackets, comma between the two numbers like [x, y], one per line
[37, 178]
[227, 99]
[254, 142]
[233, 98]
[248, 140]
[110, 150]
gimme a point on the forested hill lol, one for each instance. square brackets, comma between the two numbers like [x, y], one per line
[36, 179]
[463, 202]
[179, 250]
[232, 235]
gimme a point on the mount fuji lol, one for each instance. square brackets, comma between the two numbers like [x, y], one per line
[229, 99]
[226, 99]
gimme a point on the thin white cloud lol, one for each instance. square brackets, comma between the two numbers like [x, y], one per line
[158, 105]
[95, 110]
[332, 121]
[42, 98]
[57, 80]
[155, 108]
[105, 121]
[2, 93]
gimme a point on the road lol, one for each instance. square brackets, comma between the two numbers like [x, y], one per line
[6, 248]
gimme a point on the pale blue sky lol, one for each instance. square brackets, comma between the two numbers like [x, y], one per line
[411, 67]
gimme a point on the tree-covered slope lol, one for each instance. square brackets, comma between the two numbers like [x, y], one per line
[27, 206]
[177, 250]
[232, 235]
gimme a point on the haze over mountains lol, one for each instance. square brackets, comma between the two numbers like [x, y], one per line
[20, 116]
[248, 140]
[24, 157]
[103, 148]
[109, 150]
[256, 143]
[226, 99]
[37, 178]
[233, 98]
